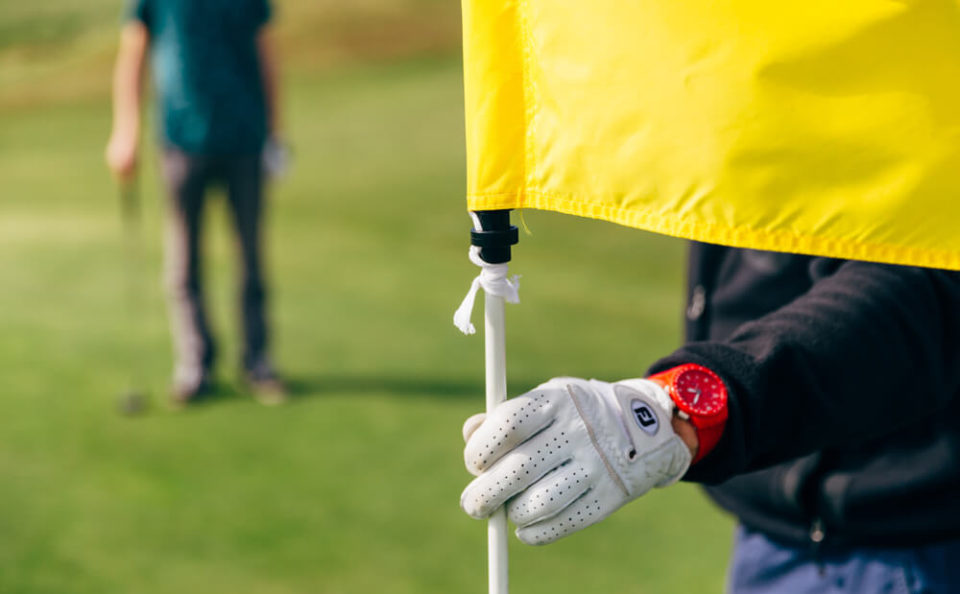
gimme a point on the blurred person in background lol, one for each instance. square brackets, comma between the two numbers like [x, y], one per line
[818, 399]
[214, 73]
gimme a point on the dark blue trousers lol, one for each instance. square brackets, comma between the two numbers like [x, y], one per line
[762, 566]
[188, 178]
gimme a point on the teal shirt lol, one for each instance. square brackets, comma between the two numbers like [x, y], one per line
[206, 71]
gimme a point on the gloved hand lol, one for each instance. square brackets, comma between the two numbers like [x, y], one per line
[569, 453]
[275, 158]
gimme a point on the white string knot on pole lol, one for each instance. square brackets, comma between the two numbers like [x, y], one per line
[494, 281]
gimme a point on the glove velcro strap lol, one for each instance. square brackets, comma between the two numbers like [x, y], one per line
[647, 411]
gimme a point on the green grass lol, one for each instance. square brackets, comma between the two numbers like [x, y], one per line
[353, 487]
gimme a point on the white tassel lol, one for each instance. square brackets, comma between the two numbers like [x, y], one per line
[494, 281]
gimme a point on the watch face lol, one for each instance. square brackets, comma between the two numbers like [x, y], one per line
[700, 392]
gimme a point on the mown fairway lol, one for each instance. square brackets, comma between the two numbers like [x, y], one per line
[353, 487]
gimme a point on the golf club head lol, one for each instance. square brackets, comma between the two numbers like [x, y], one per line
[132, 403]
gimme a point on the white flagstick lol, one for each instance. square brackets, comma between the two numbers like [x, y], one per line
[496, 380]
[490, 250]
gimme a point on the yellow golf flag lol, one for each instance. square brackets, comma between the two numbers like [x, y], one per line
[818, 127]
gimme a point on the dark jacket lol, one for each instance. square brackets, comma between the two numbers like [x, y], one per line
[844, 382]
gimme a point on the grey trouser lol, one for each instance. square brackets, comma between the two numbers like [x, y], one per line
[188, 177]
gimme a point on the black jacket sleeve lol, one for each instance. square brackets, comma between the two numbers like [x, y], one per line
[866, 351]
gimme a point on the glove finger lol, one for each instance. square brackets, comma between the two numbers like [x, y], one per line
[550, 495]
[510, 424]
[513, 473]
[589, 509]
[593, 506]
[471, 424]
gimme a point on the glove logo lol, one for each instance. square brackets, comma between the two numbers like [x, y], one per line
[645, 417]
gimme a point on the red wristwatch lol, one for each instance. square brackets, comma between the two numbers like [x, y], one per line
[701, 397]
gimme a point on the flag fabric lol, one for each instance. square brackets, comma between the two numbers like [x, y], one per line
[818, 127]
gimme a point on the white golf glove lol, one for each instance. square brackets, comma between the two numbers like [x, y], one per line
[569, 453]
[275, 158]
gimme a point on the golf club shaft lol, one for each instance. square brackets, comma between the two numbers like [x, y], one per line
[132, 265]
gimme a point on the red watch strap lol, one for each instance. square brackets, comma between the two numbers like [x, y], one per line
[708, 437]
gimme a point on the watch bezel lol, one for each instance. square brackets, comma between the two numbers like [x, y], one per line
[683, 406]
